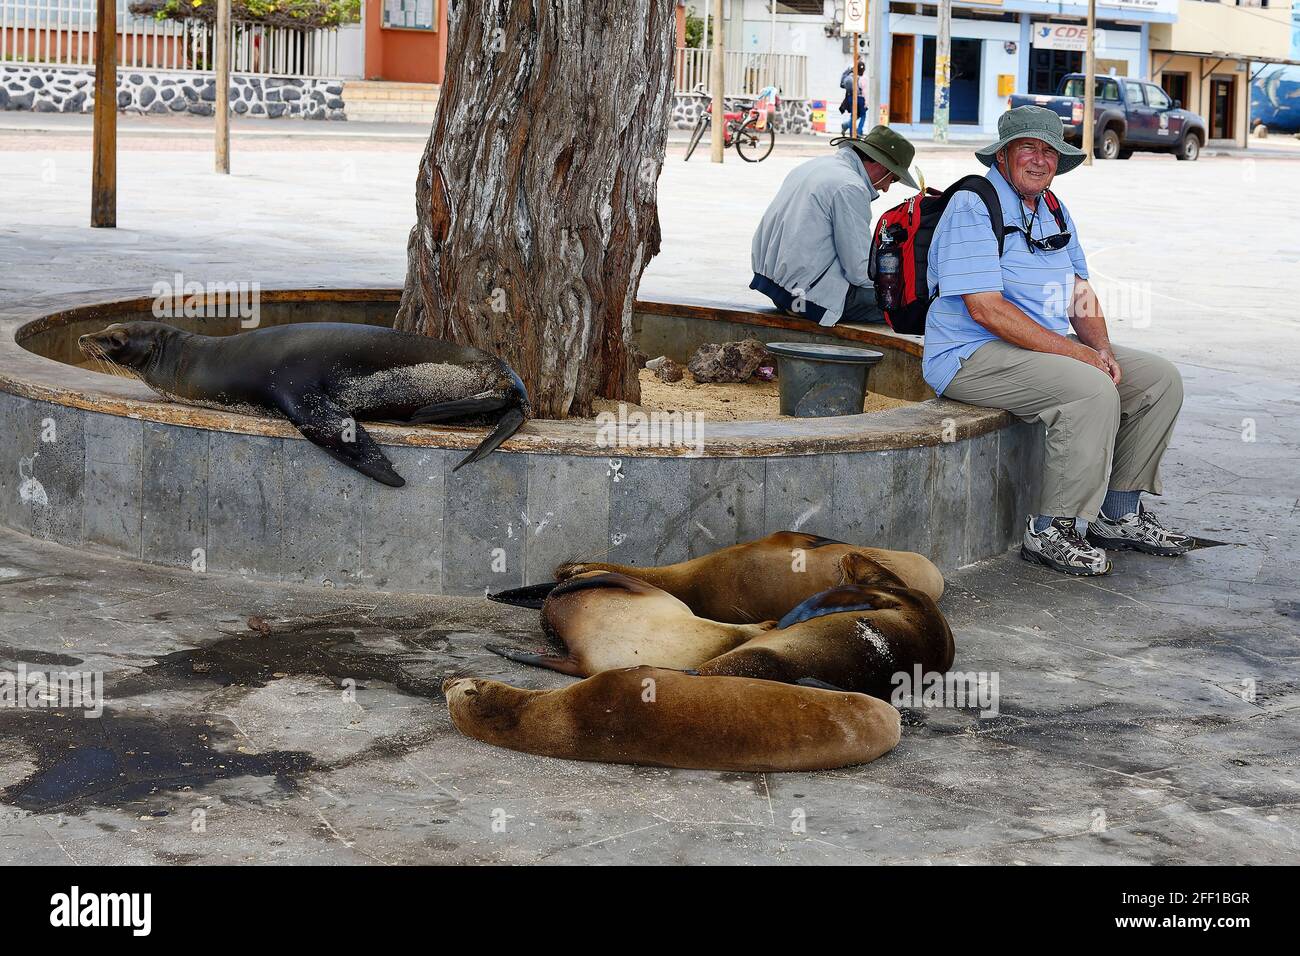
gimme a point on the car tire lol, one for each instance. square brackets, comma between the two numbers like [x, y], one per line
[1189, 149]
[1109, 147]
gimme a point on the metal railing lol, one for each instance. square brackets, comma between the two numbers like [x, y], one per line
[62, 33]
[745, 73]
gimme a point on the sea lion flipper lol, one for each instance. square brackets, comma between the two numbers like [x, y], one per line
[459, 408]
[507, 425]
[814, 682]
[332, 429]
[530, 596]
[553, 662]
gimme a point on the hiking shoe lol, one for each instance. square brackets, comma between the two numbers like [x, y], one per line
[1139, 532]
[1061, 548]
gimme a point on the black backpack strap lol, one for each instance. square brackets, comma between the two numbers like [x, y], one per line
[980, 186]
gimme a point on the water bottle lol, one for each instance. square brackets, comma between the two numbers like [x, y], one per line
[889, 273]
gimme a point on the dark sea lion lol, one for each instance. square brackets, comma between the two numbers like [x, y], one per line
[851, 637]
[664, 718]
[323, 376]
[605, 620]
[763, 579]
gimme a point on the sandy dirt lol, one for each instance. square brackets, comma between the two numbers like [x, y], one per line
[746, 401]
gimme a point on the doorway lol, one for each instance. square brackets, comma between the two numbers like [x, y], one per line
[1047, 68]
[964, 91]
[1223, 96]
[900, 78]
[1175, 84]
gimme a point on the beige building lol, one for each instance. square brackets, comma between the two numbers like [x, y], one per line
[1204, 59]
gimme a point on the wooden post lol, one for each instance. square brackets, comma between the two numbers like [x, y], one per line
[718, 80]
[1089, 81]
[857, 87]
[223, 87]
[103, 181]
[942, 71]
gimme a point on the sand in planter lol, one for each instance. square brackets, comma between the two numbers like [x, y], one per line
[724, 402]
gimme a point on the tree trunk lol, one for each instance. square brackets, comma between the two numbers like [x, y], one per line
[536, 199]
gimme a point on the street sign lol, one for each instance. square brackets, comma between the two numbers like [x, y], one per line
[855, 16]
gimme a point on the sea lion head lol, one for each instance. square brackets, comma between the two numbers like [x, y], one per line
[489, 705]
[128, 345]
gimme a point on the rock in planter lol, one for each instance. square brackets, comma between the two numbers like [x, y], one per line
[668, 371]
[729, 362]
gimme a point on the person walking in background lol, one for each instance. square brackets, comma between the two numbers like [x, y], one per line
[846, 105]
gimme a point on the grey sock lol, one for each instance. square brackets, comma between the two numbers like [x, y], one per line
[1042, 523]
[1120, 503]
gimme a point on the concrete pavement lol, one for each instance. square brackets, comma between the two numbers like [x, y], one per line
[1147, 717]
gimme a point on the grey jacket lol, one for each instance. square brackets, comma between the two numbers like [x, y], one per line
[815, 236]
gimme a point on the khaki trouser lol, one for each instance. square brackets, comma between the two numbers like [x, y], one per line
[1099, 435]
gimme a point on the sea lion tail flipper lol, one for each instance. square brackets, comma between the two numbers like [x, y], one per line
[821, 684]
[330, 428]
[552, 662]
[459, 408]
[531, 596]
[507, 425]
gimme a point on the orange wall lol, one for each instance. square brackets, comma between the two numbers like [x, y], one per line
[404, 56]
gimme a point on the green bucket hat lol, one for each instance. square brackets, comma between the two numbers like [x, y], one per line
[886, 147]
[1033, 122]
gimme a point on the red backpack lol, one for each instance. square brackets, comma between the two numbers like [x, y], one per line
[911, 227]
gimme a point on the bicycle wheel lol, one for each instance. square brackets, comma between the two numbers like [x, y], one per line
[697, 134]
[753, 144]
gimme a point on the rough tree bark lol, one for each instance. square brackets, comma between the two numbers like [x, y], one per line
[536, 204]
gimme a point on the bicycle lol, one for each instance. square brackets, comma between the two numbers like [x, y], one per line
[754, 142]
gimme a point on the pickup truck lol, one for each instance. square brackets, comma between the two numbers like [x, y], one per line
[1128, 115]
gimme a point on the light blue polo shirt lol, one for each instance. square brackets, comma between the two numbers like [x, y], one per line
[964, 259]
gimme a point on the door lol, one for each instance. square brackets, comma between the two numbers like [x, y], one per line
[1047, 68]
[1169, 126]
[1141, 118]
[1175, 84]
[964, 91]
[900, 79]
[1223, 95]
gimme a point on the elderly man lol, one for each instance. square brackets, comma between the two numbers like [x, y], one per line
[810, 251]
[998, 335]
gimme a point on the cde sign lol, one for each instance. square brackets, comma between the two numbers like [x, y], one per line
[1061, 36]
[855, 16]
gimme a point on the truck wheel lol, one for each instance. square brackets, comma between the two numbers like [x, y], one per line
[1109, 148]
[1124, 154]
[1189, 148]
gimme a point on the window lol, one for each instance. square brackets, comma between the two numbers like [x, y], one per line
[1175, 84]
[1156, 98]
[1102, 89]
[411, 14]
[1133, 94]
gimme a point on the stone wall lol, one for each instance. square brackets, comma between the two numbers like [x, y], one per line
[48, 89]
[792, 116]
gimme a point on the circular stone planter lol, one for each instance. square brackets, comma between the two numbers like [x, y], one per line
[99, 462]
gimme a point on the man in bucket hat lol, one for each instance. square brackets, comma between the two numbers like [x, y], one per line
[810, 251]
[998, 335]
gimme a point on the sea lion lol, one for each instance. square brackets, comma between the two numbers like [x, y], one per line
[759, 580]
[851, 637]
[664, 718]
[605, 620]
[322, 376]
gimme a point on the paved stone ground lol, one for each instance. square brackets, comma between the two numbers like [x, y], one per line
[1127, 732]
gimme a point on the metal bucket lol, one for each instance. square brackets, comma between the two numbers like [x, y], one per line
[822, 380]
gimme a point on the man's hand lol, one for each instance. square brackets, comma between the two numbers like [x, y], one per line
[1112, 364]
[1094, 358]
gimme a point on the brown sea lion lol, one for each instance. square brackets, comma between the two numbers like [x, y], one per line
[664, 718]
[605, 620]
[850, 637]
[760, 580]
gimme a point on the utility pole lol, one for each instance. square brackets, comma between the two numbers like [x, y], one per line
[876, 100]
[942, 71]
[223, 87]
[1089, 81]
[718, 80]
[857, 21]
[103, 177]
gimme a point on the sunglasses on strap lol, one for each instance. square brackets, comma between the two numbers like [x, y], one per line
[1048, 244]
